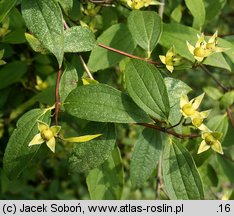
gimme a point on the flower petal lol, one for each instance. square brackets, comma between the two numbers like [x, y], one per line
[197, 101]
[171, 51]
[199, 59]
[55, 130]
[85, 138]
[213, 38]
[190, 48]
[204, 134]
[220, 49]
[217, 147]
[170, 68]
[201, 41]
[205, 114]
[203, 127]
[37, 140]
[163, 59]
[42, 125]
[203, 147]
[183, 100]
[51, 144]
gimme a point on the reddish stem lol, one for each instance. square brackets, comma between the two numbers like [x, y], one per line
[181, 136]
[127, 54]
[57, 102]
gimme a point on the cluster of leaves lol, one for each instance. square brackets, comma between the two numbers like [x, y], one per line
[124, 89]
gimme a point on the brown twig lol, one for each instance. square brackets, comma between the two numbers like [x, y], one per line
[229, 113]
[127, 54]
[164, 130]
[57, 102]
[204, 68]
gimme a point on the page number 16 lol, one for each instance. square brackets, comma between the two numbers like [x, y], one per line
[224, 208]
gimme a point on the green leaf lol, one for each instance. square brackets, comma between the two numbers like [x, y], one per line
[213, 8]
[181, 178]
[177, 35]
[208, 175]
[103, 103]
[226, 164]
[176, 14]
[197, 9]
[219, 123]
[227, 100]
[44, 20]
[213, 92]
[227, 44]
[147, 88]
[12, 73]
[15, 37]
[106, 181]
[71, 8]
[145, 156]
[5, 8]
[89, 155]
[117, 36]
[35, 44]
[68, 81]
[18, 154]
[175, 88]
[146, 28]
[78, 39]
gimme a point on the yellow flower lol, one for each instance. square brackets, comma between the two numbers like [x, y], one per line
[199, 51]
[189, 110]
[47, 134]
[212, 44]
[203, 49]
[198, 118]
[138, 4]
[171, 59]
[210, 140]
[41, 85]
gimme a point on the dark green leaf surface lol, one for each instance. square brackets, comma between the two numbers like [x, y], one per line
[11, 73]
[18, 154]
[117, 36]
[5, 8]
[147, 88]
[89, 155]
[106, 181]
[68, 81]
[145, 156]
[197, 9]
[177, 35]
[103, 103]
[146, 28]
[181, 178]
[44, 20]
[78, 39]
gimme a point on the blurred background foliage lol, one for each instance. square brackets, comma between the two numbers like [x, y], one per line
[33, 85]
